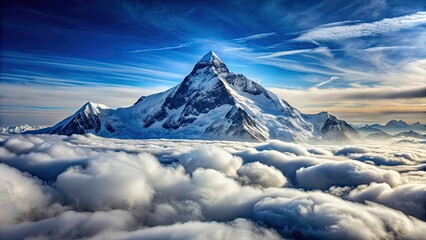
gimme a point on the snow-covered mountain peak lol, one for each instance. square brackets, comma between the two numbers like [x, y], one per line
[210, 57]
[210, 63]
[86, 119]
[92, 108]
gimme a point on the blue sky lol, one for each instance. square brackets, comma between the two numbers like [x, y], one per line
[362, 60]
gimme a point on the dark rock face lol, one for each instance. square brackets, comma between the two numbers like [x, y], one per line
[81, 123]
[85, 120]
[159, 116]
[109, 127]
[335, 129]
[219, 66]
[238, 124]
[193, 102]
[241, 122]
[140, 100]
[245, 84]
[180, 96]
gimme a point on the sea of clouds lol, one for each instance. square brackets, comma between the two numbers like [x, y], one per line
[88, 187]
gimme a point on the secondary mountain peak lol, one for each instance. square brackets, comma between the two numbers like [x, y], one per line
[95, 106]
[396, 123]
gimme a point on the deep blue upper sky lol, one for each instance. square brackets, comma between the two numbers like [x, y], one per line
[154, 44]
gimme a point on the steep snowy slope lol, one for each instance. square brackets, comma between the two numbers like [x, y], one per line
[330, 128]
[210, 103]
[86, 119]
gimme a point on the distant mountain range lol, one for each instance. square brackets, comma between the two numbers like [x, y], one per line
[393, 126]
[210, 103]
[20, 129]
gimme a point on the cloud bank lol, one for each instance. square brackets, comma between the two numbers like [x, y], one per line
[87, 187]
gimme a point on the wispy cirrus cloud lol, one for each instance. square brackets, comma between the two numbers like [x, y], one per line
[205, 41]
[334, 24]
[386, 48]
[322, 50]
[54, 70]
[232, 49]
[163, 48]
[325, 82]
[341, 32]
[254, 37]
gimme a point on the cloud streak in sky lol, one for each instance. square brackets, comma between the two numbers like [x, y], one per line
[335, 33]
[322, 50]
[325, 82]
[120, 72]
[255, 37]
[387, 48]
[162, 48]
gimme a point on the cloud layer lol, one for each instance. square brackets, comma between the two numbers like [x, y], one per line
[94, 188]
[335, 33]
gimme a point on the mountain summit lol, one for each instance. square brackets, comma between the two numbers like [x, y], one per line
[212, 62]
[210, 103]
[210, 57]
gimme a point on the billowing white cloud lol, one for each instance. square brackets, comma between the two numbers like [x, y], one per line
[119, 182]
[237, 229]
[317, 215]
[21, 196]
[283, 147]
[347, 173]
[125, 189]
[260, 174]
[350, 150]
[288, 165]
[211, 157]
[71, 225]
[409, 198]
